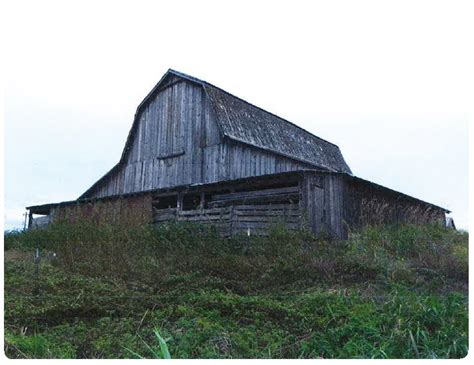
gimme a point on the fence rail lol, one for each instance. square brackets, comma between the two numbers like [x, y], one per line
[250, 219]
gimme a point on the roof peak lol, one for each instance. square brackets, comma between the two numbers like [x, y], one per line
[185, 76]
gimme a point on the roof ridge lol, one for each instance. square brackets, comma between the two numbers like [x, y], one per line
[186, 76]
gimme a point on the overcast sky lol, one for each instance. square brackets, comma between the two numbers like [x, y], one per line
[388, 84]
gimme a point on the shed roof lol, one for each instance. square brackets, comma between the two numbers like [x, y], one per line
[45, 208]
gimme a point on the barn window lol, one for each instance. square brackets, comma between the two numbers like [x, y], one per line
[191, 201]
[169, 155]
[165, 202]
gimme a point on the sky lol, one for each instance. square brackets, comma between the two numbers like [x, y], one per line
[389, 82]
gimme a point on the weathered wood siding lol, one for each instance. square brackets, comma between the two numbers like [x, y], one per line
[242, 160]
[367, 204]
[251, 211]
[323, 203]
[178, 142]
[326, 203]
[133, 210]
[250, 219]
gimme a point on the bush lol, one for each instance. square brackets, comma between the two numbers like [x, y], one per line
[410, 249]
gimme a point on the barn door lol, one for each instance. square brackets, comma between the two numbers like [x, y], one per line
[318, 209]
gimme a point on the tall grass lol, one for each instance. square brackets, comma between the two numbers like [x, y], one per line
[387, 292]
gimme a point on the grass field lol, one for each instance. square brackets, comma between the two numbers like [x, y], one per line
[387, 292]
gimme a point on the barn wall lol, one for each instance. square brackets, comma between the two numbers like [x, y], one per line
[334, 195]
[367, 204]
[132, 210]
[327, 203]
[175, 139]
[244, 161]
[177, 142]
[323, 203]
[250, 206]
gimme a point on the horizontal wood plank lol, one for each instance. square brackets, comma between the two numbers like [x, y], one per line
[256, 193]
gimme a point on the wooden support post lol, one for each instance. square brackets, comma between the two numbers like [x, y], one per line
[30, 219]
[202, 201]
[25, 225]
[231, 220]
[179, 205]
[305, 201]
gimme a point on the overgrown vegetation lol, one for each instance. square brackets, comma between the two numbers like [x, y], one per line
[387, 292]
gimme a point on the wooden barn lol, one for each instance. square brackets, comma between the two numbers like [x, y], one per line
[197, 153]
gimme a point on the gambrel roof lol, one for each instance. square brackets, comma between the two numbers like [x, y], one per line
[246, 123]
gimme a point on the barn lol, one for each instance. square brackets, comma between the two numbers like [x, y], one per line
[198, 153]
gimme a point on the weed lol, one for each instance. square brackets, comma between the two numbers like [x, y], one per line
[163, 352]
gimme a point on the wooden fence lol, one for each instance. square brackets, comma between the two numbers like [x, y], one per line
[232, 219]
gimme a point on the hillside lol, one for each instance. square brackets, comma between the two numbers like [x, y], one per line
[387, 292]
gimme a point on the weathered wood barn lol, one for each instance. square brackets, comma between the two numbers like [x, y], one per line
[197, 153]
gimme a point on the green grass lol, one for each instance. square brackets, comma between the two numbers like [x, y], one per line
[161, 353]
[182, 291]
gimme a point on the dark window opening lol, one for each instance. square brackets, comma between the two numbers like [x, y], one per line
[262, 195]
[165, 202]
[191, 201]
[207, 199]
[266, 185]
